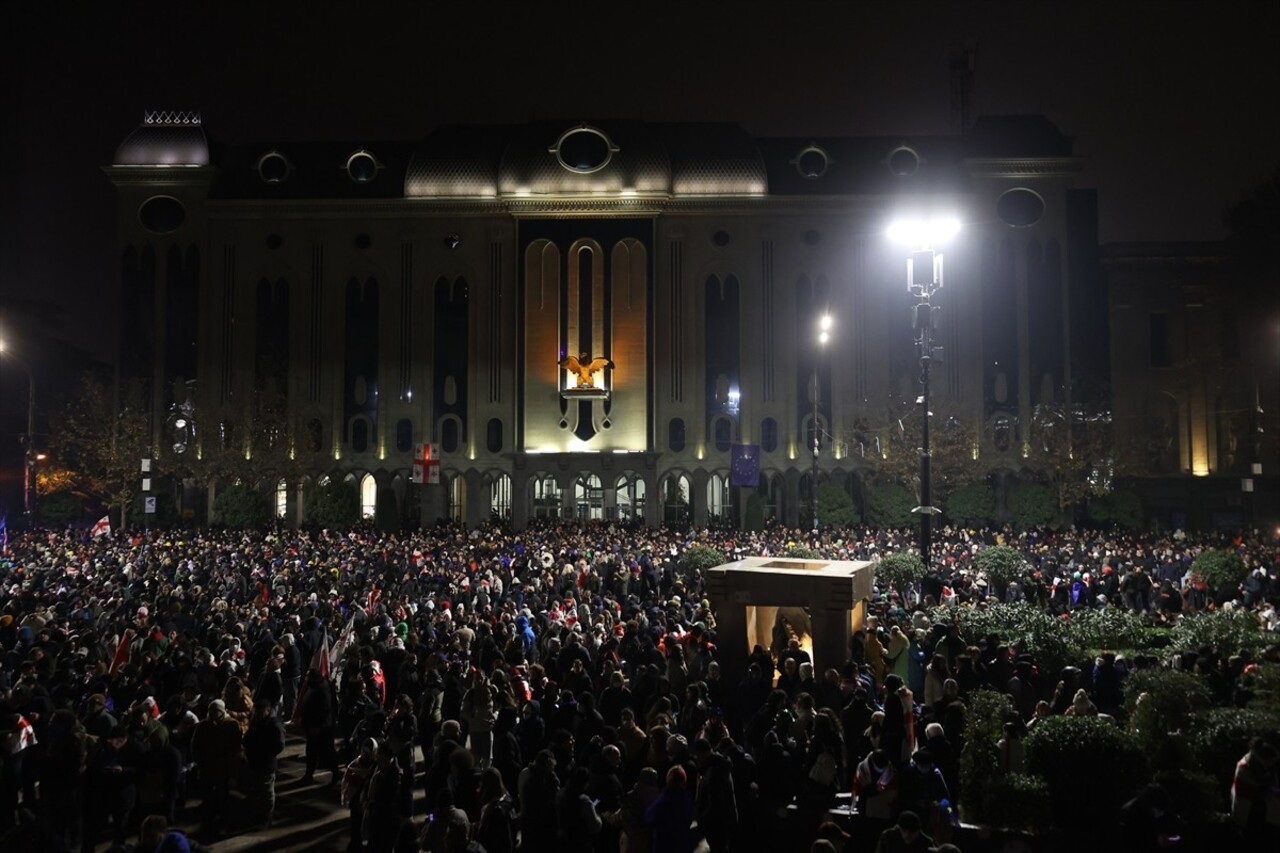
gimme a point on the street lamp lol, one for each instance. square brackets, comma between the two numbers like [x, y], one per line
[825, 325]
[29, 458]
[924, 279]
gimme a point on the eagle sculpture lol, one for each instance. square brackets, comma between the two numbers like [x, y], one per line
[585, 367]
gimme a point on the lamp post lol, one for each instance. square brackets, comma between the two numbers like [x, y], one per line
[825, 324]
[29, 458]
[924, 280]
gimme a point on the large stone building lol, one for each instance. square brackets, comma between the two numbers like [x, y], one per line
[397, 293]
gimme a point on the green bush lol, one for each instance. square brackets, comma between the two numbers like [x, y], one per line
[754, 519]
[1001, 564]
[1086, 755]
[899, 571]
[334, 504]
[241, 507]
[1161, 702]
[1228, 631]
[984, 721]
[1026, 626]
[60, 509]
[835, 507]
[1120, 509]
[1221, 571]
[700, 558]
[1110, 629]
[1220, 737]
[1263, 684]
[800, 552]
[1019, 802]
[889, 505]
[1033, 505]
[972, 504]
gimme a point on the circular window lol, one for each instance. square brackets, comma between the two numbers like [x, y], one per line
[1020, 207]
[363, 241]
[161, 214]
[584, 150]
[361, 167]
[720, 238]
[274, 241]
[903, 162]
[812, 162]
[273, 168]
[812, 238]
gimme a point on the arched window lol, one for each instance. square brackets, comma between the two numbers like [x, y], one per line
[449, 435]
[588, 498]
[675, 499]
[722, 434]
[457, 498]
[368, 496]
[282, 499]
[768, 435]
[630, 497]
[547, 498]
[494, 435]
[360, 435]
[500, 497]
[675, 434]
[404, 435]
[718, 497]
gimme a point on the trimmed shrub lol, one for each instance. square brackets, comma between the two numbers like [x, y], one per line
[1001, 564]
[889, 505]
[241, 507]
[1086, 755]
[800, 552]
[1263, 685]
[698, 559]
[972, 504]
[899, 571]
[1119, 509]
[1023, 625]
[1161, 702]
[1109, 629]
[984, 721]
[1221, 571]
[1227, 631]
[1220, 737]
[835, 507]
[1033, 505]
[333, 504]
[1019, 802]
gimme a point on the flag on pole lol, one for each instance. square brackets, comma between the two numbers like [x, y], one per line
[744, 467]
[122, 651]
[102, 528]
[4, 530]
[320, 659]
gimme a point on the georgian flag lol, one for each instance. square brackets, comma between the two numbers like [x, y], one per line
[102, 528]
[22, 736]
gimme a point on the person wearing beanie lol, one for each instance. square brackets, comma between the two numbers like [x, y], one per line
[216, 747]
[671, 814]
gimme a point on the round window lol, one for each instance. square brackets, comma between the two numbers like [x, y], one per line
[361, 167]
[363, 241]
[721, 238]
[1020, 207]
[584, 149]
[273, 168]
[903, 162]
[161, 214]
[812, 162]
[274, 241]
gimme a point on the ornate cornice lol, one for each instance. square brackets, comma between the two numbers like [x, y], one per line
[1024, 167]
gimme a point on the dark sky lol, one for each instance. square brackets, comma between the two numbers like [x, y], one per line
[1174, 104]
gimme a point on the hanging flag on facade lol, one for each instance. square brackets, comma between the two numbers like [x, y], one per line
[744, 468]
[426, 466]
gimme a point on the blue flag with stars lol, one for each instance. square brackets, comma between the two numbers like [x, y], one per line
[744, 469]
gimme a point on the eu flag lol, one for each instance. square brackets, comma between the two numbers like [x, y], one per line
[744, 469]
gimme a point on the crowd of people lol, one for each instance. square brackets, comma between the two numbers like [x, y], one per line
[557, 688]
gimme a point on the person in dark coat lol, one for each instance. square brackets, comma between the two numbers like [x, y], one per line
[671, 814]
[263, 744]
[538, 817]
[317, 723]
[716, 805]
[110, 789]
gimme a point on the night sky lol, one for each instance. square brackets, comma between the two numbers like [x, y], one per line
[1174, 104]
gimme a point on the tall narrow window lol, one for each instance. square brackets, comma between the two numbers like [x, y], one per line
[368, 496]
[675, 434]
[1160, 340]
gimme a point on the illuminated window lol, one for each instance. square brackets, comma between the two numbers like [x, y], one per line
[718, 497]
[368, 496]
[282, 499]
[588, 498]
[500, 497]
[675, 499]
[547, 497]
[630, 498]
[457, 498]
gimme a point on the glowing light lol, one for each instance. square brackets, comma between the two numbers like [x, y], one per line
[918, 231]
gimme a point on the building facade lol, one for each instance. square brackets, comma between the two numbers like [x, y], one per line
[391, 294]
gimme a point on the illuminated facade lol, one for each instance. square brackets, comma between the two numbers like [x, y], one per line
[398, 293]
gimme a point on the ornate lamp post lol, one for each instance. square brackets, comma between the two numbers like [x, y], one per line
[924, 280]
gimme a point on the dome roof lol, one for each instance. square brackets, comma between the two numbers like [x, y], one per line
[165, 139]
[715, 159]
[457, 162]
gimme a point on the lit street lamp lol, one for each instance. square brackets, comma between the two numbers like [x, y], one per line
[924, 279]
[29, 458]
[825, 324]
